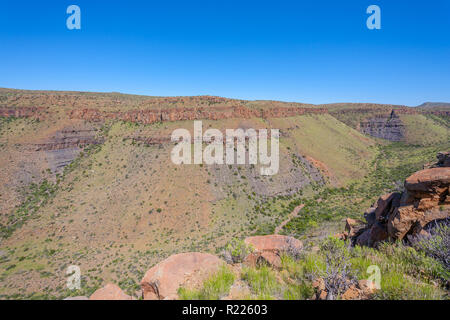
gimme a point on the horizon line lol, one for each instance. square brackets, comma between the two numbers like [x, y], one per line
[217, 96]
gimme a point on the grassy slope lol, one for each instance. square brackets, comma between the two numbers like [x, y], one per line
[344, 151]
[424, 130]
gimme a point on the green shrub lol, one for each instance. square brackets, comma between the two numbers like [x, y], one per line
[398, 286]
[338, 274]
[215, 287]
[301, 291]
[436, 245]
[236, 251]
[263, 282]
[410, 261]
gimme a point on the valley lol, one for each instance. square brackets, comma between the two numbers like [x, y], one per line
[87, 180]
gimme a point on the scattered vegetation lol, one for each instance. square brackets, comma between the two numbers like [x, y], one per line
[337, 274]
[437, 244]
[236, 251]
[37, 196]
[405, 273]
[263, 282]
[214, 288]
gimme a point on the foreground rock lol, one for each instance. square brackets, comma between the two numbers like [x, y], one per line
[187, 270]
[268, 249]
[362, 290]
[110, 292]
[398, 216]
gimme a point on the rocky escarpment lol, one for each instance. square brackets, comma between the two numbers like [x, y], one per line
[198, 113]
[388, 127]
[63, 146]
[69, 138]
[401, 216]
[66, 145]
[23, 112]
[145, 109]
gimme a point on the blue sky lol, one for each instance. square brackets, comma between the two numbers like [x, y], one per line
[305, 51]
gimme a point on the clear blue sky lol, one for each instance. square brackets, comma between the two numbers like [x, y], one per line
[306, 51]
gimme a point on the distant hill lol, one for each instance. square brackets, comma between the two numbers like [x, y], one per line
[435, 105]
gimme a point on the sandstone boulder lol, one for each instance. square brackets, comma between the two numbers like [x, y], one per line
[352, 293]
[363, 238]
[322, 295]
[408, 220]
[369, 216]
[385, 203]
[342, 235]
[397, 216]
[180, 270]
[367, 287]
[360, 291]
[350, 223]
[429, 183]
[319, 284]
[353, 227]
[110, 292]
[378, 233]
[443, 159]
[268, 249]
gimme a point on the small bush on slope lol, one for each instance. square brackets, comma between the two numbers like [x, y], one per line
[236, 251]
[437, 244]
[263, 282]
[337, 274]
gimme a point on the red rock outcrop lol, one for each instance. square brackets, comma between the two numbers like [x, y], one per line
[180, 270]
[110, 292]
[69, 139]
[195, 113]
[362, 290]
[443, 159]
[23, 112]
[398, 215]
[268, 249]
[426, 199]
